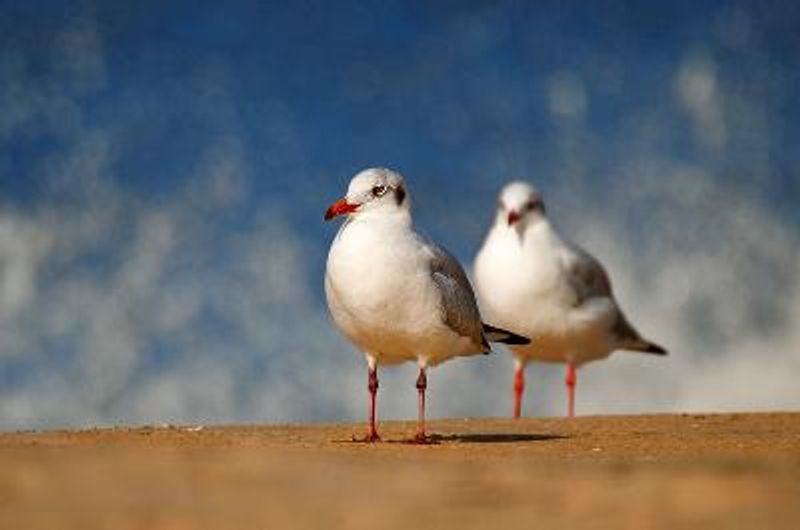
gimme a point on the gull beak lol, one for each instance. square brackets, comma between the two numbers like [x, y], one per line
[340, 207]
[513, 217]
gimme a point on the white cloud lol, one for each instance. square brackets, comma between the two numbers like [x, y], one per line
[566, 95]
[696, 83]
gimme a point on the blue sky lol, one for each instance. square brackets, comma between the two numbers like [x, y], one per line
[363, 82]
[157, 161]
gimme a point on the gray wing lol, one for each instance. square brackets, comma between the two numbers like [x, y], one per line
[589, 280]
[585, 275]
[459, 308]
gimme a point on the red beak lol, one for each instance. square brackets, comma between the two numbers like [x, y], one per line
[513, 217]
[340, 207]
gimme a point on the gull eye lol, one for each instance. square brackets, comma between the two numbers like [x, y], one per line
[378, 191]
[529, 205]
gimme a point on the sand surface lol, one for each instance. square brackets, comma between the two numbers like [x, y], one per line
[662, 471]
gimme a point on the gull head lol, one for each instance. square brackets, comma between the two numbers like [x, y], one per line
[374, 191]
[519, 205]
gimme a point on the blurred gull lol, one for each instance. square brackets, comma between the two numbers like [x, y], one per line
[531, 281]
[394, 295]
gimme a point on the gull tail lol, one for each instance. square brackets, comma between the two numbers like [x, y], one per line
[645, 346]
[503, 336]
[629, 339]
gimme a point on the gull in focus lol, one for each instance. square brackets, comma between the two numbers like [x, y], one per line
[396, 296]
[535, 283]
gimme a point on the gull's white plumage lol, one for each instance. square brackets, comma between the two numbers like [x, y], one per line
[533, 282]
[383, 293]
[395, 295]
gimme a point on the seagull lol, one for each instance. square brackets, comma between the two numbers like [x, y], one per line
[396, 296]
[535, 283]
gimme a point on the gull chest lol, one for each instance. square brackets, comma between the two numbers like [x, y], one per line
[376, 284]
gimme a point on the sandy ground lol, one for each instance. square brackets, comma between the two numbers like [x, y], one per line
[664, 471]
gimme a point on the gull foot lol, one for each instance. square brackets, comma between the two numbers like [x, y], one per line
[369, 438]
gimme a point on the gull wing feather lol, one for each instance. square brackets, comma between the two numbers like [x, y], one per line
[586, 276]
[589, 279]
[458, 304]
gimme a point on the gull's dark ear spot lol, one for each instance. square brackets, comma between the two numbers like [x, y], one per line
[539, 204]
[400, 195]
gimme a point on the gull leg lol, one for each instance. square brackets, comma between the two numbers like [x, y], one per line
[571, 381]
[372, 386]
[519, 387]
[422, 385]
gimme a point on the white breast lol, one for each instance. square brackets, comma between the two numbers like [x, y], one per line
[523, 286]
[380, 293]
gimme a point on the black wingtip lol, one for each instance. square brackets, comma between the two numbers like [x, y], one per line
[495, 334]
[655, 349]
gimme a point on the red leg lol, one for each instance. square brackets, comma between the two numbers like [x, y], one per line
[422, 385]
[372, 386]
[519, 388]
[571, 381]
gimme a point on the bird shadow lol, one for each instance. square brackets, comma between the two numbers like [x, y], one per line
[495, 438]
[470, 438]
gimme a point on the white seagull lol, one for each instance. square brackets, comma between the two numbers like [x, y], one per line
[396, 296]
[535, 283]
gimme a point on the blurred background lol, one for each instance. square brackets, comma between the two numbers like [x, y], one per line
[164, 169]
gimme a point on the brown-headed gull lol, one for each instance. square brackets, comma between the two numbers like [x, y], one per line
[396, 296]
[535, 283]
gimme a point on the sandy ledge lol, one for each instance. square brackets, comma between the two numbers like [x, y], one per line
[656, 471]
